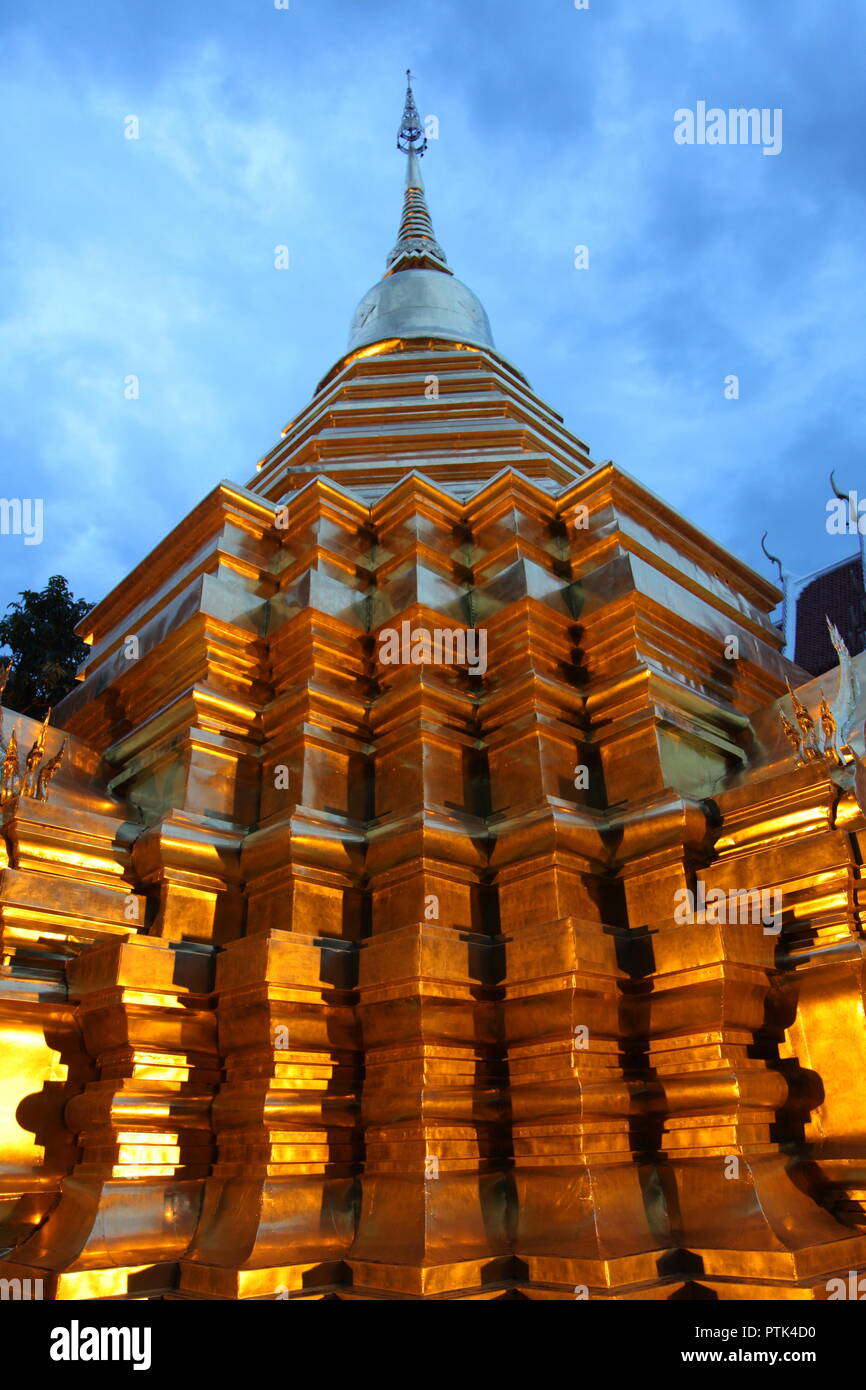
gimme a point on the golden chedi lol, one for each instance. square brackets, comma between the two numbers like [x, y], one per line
[431, 889]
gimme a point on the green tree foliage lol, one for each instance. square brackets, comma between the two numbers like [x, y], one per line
[45, 651]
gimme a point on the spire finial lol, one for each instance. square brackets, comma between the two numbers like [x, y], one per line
[411, 135]
[416, 247]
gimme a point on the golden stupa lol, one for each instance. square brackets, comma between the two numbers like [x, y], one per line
[428, 901]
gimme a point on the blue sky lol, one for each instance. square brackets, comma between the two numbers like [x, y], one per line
[261, 127]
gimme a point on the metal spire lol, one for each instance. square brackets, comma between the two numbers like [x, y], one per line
[416, 247]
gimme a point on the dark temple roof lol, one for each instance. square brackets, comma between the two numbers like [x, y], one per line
[836, 593]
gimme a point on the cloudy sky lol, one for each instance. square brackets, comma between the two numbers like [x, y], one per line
[261, 126]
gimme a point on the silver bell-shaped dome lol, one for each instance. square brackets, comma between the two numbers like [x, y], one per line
[418, 303]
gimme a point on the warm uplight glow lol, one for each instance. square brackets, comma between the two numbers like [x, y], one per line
[374, 350]
[229, 706]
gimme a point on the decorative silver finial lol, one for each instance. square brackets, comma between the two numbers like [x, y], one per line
[847, 697]
[411, 135]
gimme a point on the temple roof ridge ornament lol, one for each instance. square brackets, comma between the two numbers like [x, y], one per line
[38, 772]
[836, 721]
